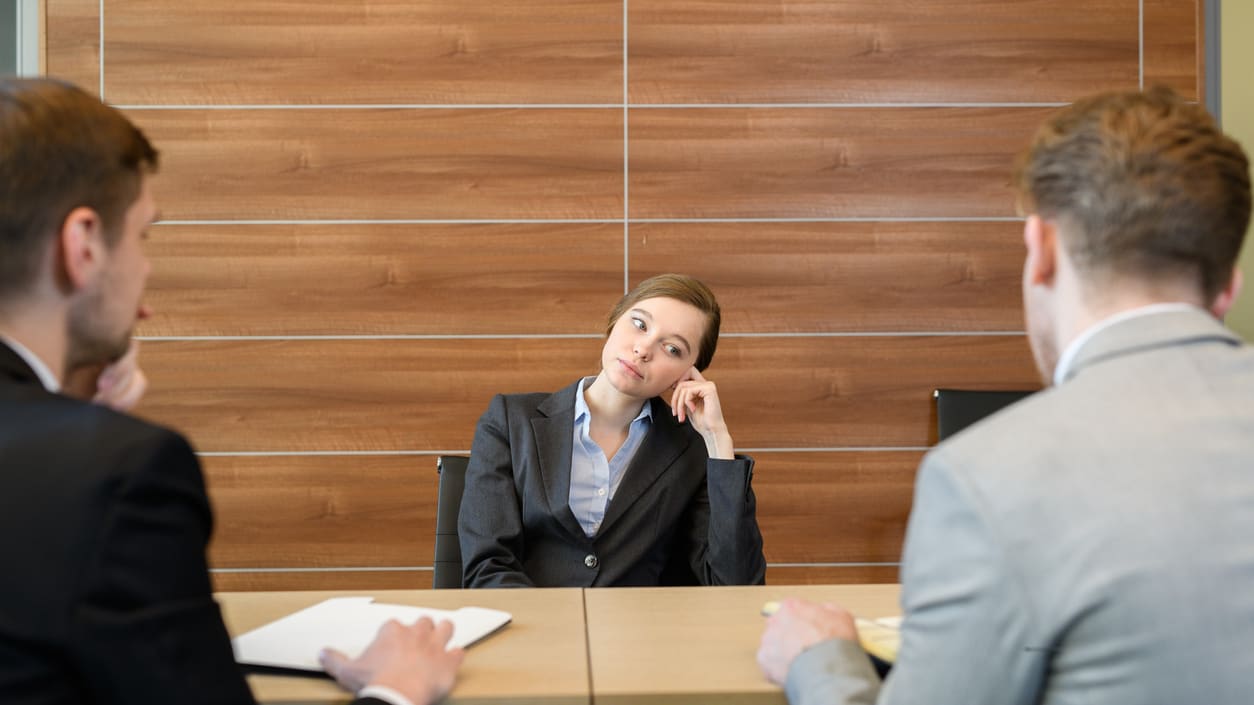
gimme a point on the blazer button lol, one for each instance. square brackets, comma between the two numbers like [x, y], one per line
[590, 560]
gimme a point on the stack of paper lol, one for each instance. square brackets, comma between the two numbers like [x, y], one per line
[349, 624]
[880, 637]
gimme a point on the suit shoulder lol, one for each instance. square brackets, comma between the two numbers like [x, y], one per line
[58, 421]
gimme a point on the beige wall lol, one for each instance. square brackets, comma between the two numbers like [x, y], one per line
[1238, 121]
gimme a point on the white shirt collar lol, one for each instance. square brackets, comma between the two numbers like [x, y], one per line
[49, 380]
[1067, 359]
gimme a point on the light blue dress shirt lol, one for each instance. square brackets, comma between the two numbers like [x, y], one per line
[593, 479]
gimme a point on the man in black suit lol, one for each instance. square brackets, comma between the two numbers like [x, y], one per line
[106, 595]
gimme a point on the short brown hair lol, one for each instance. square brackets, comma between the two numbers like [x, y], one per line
[60, 149]
[1145, 184]
[679, 287]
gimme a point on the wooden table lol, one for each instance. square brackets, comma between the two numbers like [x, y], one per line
[643, 645]
[697, 645]
[540, 657]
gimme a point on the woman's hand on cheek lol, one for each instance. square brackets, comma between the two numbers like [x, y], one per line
[695, 399]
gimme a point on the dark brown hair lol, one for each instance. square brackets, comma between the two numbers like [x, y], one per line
[60, 149]
[679, 287]
[1145, 184]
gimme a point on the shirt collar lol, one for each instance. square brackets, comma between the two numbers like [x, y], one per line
[1067, 359]
[581, 404]
[42, 371]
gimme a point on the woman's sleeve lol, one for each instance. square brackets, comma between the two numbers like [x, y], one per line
[726, 545]
[489, 525]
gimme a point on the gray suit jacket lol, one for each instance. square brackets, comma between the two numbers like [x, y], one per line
[677, 518]
[1091, 544]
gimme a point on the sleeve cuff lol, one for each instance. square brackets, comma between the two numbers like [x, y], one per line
[384, 693]
[723, 468]
[836, 670]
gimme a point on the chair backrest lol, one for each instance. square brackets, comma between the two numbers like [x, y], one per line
[958, 408]
[448, 550]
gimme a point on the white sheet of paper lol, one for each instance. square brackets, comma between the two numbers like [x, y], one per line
[349, 624]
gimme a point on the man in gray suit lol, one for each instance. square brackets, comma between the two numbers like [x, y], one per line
[1095, 542]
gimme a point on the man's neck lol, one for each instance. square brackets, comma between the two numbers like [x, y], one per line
[42, 333]
[1091, 309]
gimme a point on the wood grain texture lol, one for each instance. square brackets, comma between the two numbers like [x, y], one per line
[363, 52]
[834, 507]
[825, 162]
[845, 277]
[427, 395]
[322, 511]
[379, 511]
[824, 51]
[263, 580]
[386, 279]
[347, 394]
[72, 42]
[832, 575]
[1173, 45]
[387, 164]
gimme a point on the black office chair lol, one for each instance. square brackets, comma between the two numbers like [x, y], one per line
[448, 551]
[958, 408]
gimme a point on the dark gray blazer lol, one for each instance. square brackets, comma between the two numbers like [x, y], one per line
[106, 596]
[677, 518]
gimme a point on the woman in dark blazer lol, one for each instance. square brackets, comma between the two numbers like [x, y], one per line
[626, 478]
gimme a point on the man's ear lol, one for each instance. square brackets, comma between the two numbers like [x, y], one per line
[1041, 238]
[81, 248]
[1219, 307]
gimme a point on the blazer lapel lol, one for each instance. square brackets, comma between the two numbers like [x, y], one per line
[1143, 333]
[14, 369]
[554, 428]
[665, 442]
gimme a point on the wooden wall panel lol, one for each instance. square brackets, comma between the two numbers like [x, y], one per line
[747, 51]
[845, 277]
[427, 395]
[387, 164]
[827, 575]
[72, 42]
[427, 51]
[266, 580]
[233, 581]
[278, 513]
[834, 507]
[322, 511]
[853, 159]
[382, 279]
[337, 395]
[825, 162]
[1173, 45]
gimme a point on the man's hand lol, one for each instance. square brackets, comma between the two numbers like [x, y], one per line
[122, 384]
[410, 660]
[118, 385]
[797, 626]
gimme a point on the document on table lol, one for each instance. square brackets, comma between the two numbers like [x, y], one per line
[349, 624]
[880, 637]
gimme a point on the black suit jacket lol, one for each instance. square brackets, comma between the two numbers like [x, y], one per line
[106, 595]
[677, 518]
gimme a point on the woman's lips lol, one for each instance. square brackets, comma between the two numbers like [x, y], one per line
[632, 369]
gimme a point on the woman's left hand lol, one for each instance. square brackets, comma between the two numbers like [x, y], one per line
[696, 399]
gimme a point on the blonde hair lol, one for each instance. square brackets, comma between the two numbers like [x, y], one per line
[679, 287]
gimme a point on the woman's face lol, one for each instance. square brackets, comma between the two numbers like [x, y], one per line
[651, 346]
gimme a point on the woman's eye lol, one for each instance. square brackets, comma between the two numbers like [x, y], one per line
[672, 350]
[637, 323]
